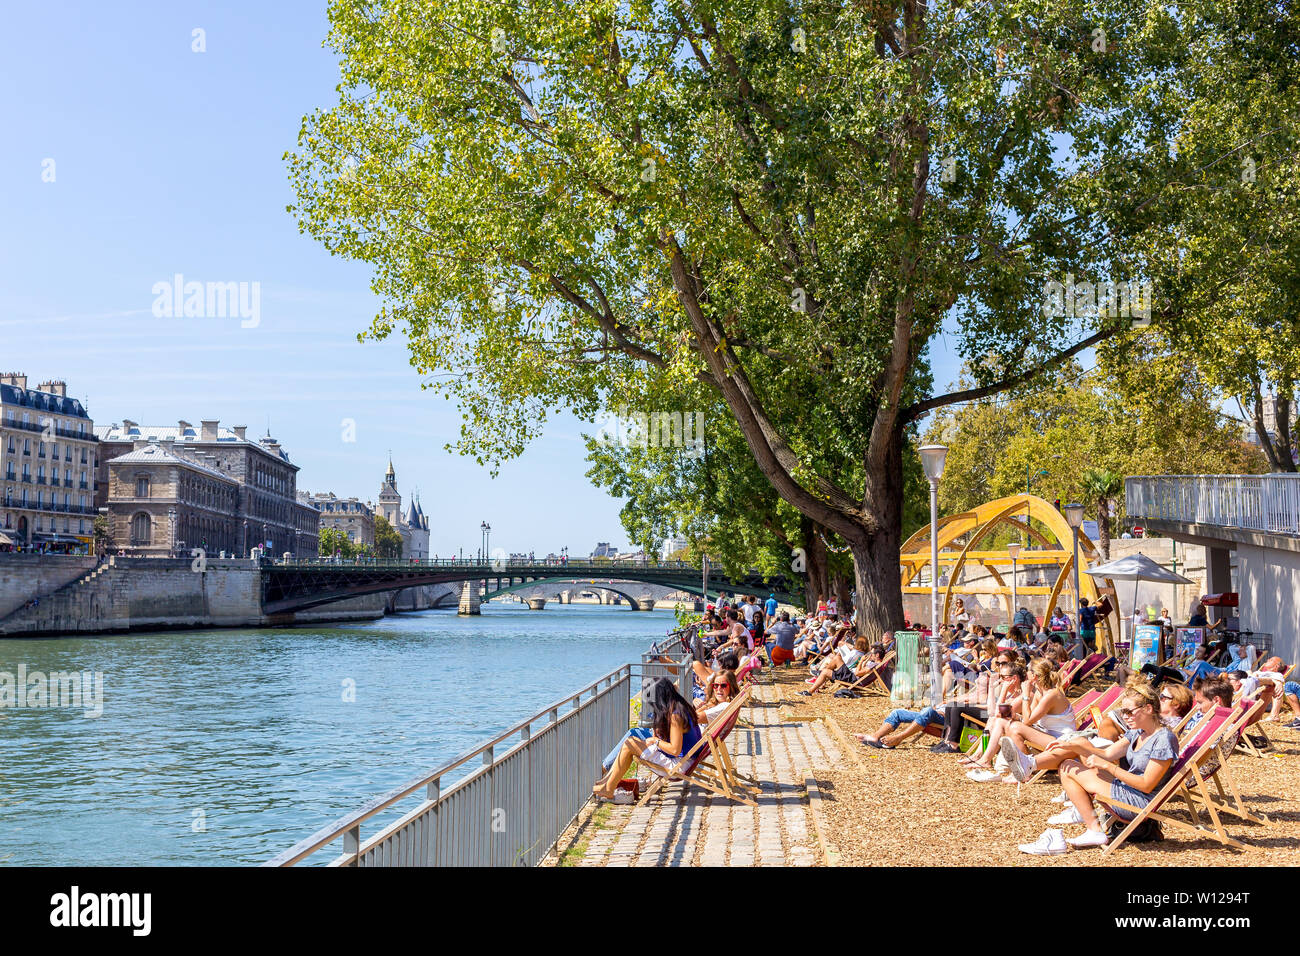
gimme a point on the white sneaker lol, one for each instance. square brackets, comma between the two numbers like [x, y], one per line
[1089, 838]
[1020, 766]
[1061, 798]
[1067, 817]
[984, 776]
[1051, 843]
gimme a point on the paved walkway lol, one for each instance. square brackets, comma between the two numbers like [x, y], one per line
[695, 828]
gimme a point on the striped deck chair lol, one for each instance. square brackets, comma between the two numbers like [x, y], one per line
[718, 775]
[1185, 778]
[871, 680]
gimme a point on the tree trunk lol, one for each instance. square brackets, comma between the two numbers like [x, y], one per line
[875, 554]
[840, 588]
[816, 576]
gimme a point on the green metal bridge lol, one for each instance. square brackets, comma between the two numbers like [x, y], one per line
[294, 585]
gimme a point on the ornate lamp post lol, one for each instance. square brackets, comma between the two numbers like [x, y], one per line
[1013, 549]
[1074, 516]
[171, 515]
[932, 459]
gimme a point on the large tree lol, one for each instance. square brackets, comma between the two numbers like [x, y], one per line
[565, 203]
[1226, 247]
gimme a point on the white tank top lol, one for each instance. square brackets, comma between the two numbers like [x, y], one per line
[1056, 724]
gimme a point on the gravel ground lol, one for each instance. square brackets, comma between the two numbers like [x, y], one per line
[911, 807]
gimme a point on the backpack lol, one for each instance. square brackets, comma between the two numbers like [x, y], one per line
[1148, 831]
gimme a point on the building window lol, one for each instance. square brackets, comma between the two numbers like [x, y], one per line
[140, 529]
[142, 486]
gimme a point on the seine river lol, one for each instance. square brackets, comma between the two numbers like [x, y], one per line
[225, 747]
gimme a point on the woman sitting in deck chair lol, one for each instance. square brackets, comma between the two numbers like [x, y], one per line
[1130, 771]
[1047, 716]
[723, 689]
[676, 731]
[1175, 703]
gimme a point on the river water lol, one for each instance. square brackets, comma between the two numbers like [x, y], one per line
[227, 746]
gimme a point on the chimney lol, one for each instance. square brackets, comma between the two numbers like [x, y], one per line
[59, 388]
[239, 431]
[209, 427]
[139, 444]
[17, 379]
[127, 424]
[183, 426]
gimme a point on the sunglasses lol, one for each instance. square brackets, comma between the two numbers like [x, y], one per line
[1166, 696]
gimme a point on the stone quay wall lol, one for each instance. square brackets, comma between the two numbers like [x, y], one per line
[83, 595]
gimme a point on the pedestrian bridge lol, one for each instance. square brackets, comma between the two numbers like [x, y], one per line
[296, 585]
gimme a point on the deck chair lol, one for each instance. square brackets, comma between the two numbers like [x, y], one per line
[1104, 702]
[1090, 667]
[1067, 672]
[1184, 779]
[718, 775]
[1227, 799]
[872, 680]
[1252, 739]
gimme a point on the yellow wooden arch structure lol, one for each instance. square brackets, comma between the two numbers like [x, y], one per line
[1050, 549]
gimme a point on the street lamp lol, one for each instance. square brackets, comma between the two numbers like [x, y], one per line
[1013, 549]
[1074, 517]
[932, 459]
[171, 514]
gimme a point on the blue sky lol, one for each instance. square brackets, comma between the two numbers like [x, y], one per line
[168, 161]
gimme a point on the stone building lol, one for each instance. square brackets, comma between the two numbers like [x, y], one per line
[354, 518]
[48, 457]
[413, 526]
[162, 503]
[267, 512]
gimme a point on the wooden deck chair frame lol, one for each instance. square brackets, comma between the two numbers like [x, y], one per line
[690, 769]
[1099, 661]
[871, 680]
[1255, 746]
[1216, 771]
[1178, 785]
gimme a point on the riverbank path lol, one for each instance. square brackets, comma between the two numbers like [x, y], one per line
[691, 827]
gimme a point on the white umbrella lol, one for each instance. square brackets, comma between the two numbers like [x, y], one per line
[1135, 568]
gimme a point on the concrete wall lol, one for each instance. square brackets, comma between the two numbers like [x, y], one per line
[1270, 596]
[157, 593]
[25, 576]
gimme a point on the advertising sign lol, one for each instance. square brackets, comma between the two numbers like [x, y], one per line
[1146, 645]
[1188, 639]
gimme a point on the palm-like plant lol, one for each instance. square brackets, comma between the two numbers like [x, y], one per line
[1103, 486]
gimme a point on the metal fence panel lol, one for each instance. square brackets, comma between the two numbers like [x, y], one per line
[511, 809]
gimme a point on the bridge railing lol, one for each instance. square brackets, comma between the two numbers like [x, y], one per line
[503, 567]
[1268, 503]
[529, 784]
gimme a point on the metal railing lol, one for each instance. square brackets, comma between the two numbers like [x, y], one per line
[512, 809]
[1268, 503]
